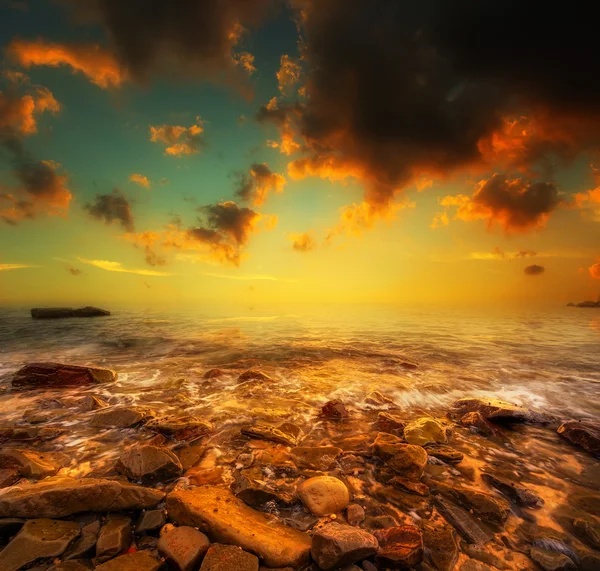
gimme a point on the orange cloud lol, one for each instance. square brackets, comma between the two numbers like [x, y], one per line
[178, 140]
[590, 199]
[140, 179]
[302, 242]
[258, 183]
[245, 60]
[18, 114]
[439, 220]
[288, 74]
[96, 63]
[595, 270]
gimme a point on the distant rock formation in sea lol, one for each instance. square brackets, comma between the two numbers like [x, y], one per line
[585, 304]
[61, 312]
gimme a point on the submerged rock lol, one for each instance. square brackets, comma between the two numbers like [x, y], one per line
[552, 560]
[498, 411]
[335, 545]
[476, 421]
[409, 486]
[213, 374]
[224, 518]
[489, 508]
[149, 464]
[28, 433]
[61, 497]
[119, 417]
[515, 492]
[585, 433]
[286, 433]
[406, 460]
[50, 375]
[400, 547]
[390, 423]
[377, 399]
[38, 538]
[441, 545]
[463, 522]
[32, 464]
[324, 495]
[91, 402]
[425, 431]
[62, 312]
[355, 514]
[445, 453]
[115, 537]
[138, 561]
[251, 488]
[181, 427]
[183, 547]
[321, 458]
[9, 476]
[221, 557]
[252, 375]
[334, 410]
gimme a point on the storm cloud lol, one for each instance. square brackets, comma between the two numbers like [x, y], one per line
[113, 207]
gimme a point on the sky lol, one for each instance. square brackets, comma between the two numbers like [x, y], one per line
[201, 151]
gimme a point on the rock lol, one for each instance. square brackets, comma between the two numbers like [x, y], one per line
[70, 566]
[400, 547]
[445, 453]
[472, 565]
[181, 427]
[213, 374]
[38, 538]
[409, 486]
[8, 477]
[137, 561]
[150, 520]
[377, 399]
[587, 531]
[335, 545]
[91, 402]
[32, 464]
[441, 545]
[250, 486]
[425, 431]
[588, 304]
[476, 421]
[149, 464]
[61, 497]
[270, 433]
[324, 495]
[58, 375]
[484, 556]
[334, 410]
[119, 417]
[498, 411]
[10, 526]
[115, 537]
[83, 546]
[391, 423]
[228, 558]
[28, 433]
[407, 460]
[387, 445]
[515, 492]
[62, 312]
[489, 508]
[224, 518]
[585, 433]
[551, 560]
[355, 514]
[90, 311]
[252, 375]
[184, 547]
[321, 458]
[463, 522]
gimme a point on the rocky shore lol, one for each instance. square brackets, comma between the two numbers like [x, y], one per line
[481, 486]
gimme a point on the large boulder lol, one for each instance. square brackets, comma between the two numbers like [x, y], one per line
[61, 497]
[38, 538]
[62, 312]
[425, 431]
[498, 411]
[400, 547]
[50, 375]
[184, 547]
[335, 545]
[149, 464]
[324, 495]
[226, 519]
[585, 433]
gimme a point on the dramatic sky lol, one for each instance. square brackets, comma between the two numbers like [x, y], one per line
[298, 150]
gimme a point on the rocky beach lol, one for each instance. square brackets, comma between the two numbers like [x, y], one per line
[239, 444]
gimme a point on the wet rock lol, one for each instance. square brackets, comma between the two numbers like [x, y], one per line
[335, 545]
[271, 433]
[71, 566]
[351, 464]
[425, 431]
[38, 538]
[441, 545]
[57, 375]
[62, 312]
[181, 427]
[115, 537]
[205, 477]
[584, 433]
[213, 374]
[406, 460]
[400, 547]
[298, 518]
[377, 399]
[28, 433]
[386, 445]
[409, 486]
[357, 444]
[355, 514]
[321, 458]
[83, 546]
[252, 375]
[190, 454]
[90, 311]
[32, 464]
[515, 492]
[119, 417]
[221, 557]
[334, 410]
[472, 565]
[587, 531]
[184, 547]
[37, 416]
[480, 553]
[476, 421]
[467, 525]
[150, 520]
[226, 519]
[10, 526]
[489, 508]
[149, 464]
[251, 488]
[445, 453]
[498, 411]
[390, 423]
[91, 402]
[61, 497]
[8, 477]
[324, 495]
[138, 561]
[551, 560]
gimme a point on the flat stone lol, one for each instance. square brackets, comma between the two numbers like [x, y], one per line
[64, 312]
[228, 558]
[181, 427]
[445, 453]
[251, 487]
[226, 519]
[472, 565]
[406, 460]
[252, 375]
[477, 422]
[400, 547]
[270, 433]
[552, 560]
[70, 566]
[334, 410]
[84, 546]
[32, 464]
[587, 531]
[378, 399]
[355, 514]
[138, 561]
[335, 545]
[38, 538]
[119, 417]
[489, 508]
[390, 423]
[28, 433]
[50, 375]
[322, 458]
[467, 525]
[9, 476]
[149, 464]
[441, 545]
[386, 445]
[150, 520]
[91, 402]
[184, 547]
[425, 431]
[115, 537]
[61, 497]
[515, 492]
[409, 486]
[584, 433]
[324, 495]
[498, 411]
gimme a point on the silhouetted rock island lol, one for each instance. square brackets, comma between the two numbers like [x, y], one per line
[62, 312]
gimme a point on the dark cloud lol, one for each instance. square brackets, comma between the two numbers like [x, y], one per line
[152, 258]
[73, 270]
[256, 185]
[111, 208]
[534, 270]
[303, 242]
